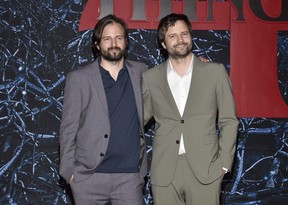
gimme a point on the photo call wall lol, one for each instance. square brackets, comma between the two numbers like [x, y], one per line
[41, 41]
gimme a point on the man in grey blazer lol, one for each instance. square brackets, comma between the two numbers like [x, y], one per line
[102, 148]
[188, 98]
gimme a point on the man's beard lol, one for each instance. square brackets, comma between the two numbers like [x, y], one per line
[113, 56]
[174, 53]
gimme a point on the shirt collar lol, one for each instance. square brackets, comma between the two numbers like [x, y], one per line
[188, 71]
[104, 71]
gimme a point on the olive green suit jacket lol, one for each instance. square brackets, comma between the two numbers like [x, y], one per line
[210, 102]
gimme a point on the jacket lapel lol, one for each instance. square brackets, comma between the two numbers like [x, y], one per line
[196, 82]
[135, 80]
[95, 74]
[164, 86]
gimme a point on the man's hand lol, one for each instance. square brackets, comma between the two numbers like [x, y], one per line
[225, 170]
[71, 179]
[205, 60]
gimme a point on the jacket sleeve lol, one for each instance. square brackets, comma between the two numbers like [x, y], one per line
[227, 121]
[69, 125]
[146, 100]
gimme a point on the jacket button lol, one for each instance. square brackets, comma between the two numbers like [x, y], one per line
[101, 154]
[177, 141]
[105, 136]
[182, 121]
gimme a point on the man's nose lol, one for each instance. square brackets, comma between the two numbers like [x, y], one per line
[113, 42]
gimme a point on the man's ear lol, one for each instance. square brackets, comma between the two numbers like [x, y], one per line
[97, 46]
[163, 44]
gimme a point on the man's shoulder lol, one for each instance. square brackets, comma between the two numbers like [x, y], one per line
[156, 69]
[210, 67]
[134, 63]
[136, 66]
[85, 69]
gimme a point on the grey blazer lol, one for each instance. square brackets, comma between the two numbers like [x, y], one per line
[209, 100]
[85, 121]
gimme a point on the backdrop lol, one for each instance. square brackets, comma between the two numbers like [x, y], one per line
[40, 43]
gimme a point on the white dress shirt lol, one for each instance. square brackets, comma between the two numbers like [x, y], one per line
[180, 86]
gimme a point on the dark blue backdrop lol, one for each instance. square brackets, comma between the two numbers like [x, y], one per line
[40, 44]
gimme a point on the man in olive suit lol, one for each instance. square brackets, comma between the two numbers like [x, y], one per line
[188, 98]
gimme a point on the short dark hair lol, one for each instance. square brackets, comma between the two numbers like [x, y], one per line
[100, 25]
[170, 20]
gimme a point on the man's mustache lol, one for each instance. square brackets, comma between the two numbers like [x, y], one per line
[114, 48]
[180, 44]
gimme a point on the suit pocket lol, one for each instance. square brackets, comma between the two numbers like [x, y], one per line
[210, 139]
[81, 157]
